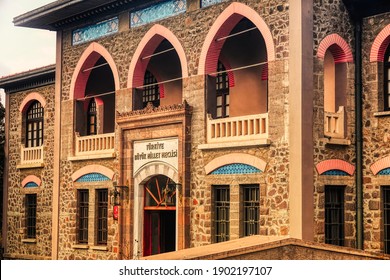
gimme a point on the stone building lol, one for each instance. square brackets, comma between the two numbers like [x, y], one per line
[166, 125]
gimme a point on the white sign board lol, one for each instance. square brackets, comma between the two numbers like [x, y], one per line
[156, 150]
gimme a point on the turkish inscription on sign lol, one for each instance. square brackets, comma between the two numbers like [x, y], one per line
[158, 150]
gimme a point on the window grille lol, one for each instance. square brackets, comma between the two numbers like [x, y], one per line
[334, 215]
[386, 218]
[31, 215]
[151, 91]
[221, 213]
[222, 92]
[102, 216]
[83, 206]
[251, 209]
[34, 125]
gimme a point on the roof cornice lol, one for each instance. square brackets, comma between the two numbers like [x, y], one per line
[29, 79]
[62, 14]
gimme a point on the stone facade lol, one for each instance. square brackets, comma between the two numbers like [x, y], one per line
[123, 50]
[19, 246]
[375, 135]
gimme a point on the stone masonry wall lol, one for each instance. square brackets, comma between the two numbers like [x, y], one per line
[331, 16]
[376, 134]
[17, 244]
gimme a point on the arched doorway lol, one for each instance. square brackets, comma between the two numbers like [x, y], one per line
[159, 227]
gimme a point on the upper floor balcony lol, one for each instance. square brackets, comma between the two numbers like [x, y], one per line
[31, 157]
[94, 146]
[250, 130]
[335, 127]
[334, 124]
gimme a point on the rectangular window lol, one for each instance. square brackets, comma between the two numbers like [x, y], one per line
[334, 215]
[250, 200]
[82, 206]
[386, 218]
[221, 213]
[102, 216]
[31, 215]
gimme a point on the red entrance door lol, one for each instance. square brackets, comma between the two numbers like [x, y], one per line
[159, 216]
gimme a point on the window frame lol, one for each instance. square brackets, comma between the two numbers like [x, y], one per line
[34, 125]
[83, 216]
[222, 90]
[386, 218]
[31, 215]
[101, 216]
[334, 215]
[92, 117]
[250, 209]
[151, 90]
[221, 210]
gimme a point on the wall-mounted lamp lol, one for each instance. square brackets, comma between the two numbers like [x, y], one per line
[118, 192]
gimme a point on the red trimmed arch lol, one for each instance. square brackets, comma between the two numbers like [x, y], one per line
[338, 47]
[335, 164]
[29, 99]
[222, 27]
[146, 47]
[379, 165]
[94, 168]
[87, 60]
[31, 178]
[380, 45]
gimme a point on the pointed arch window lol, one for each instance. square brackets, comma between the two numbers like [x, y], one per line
[34, 125]
[151, 91]
[92, 118]
[386, 89]
[222, 92]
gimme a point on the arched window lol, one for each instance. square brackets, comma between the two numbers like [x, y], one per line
[34, 125]
[151, 91]
[222, 92]
[92, 120]
[386, 83]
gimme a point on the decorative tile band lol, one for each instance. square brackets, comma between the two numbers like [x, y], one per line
[31, 185]
[157, 12]
[92, 177]
[335, 172]
[206, 3]
[385, 171]
[95, 31]
[236, 168]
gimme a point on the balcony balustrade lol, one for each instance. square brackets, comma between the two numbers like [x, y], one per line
[334, 124]
[243, 128]
[95, 145]
[31, 155]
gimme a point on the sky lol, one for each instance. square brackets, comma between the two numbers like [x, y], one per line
[22, 48]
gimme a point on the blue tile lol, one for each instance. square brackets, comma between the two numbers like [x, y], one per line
[31, 185]
[385, 171]
[206, 3]
[236, 168]
[95, 31]
[157, 12]
[92, 177]
[335, 172]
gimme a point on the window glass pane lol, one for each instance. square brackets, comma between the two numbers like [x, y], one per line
[227, 100]
[219, 100]
[227, 111]
[219, 112]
